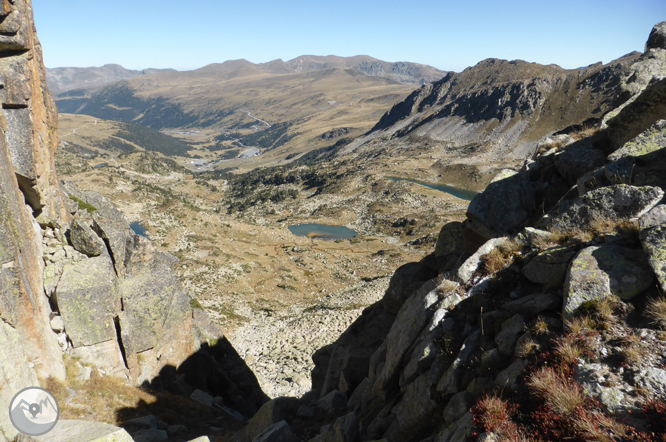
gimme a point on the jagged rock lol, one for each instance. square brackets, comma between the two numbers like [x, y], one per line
[614, 202]
[458, 405]
[479, 386]
[405, 281]
[202, 397]
[271, 413]
[550, 266]
[645, 109]
[85, 240]
[425, 353]
[601, 271]
[645, 143]
[657, 38]
[153, 302]
[507, 377]
[111, 226]
[88, 297]
[411, 319]
[595, 380]
[511, 330]
[653, 240]
[500, 209]
[450, 247]
[344, 429]
[333, 404]
[73, 430]
[450, 381]
[175, 430]
[652, 379]
[578, 158]
[200, 439]
[415, 408]
[471, 265]
[458, 431]
[150, 435]
[279, 432]
[532, 305]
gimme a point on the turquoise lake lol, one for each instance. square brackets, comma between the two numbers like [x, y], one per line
[322, 231]
[463, 194]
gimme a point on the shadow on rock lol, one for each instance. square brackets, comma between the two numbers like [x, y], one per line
[212, 393]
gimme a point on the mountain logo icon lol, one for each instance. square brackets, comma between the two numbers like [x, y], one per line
[34, 411]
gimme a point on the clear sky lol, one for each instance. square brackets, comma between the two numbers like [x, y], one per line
[188, 34]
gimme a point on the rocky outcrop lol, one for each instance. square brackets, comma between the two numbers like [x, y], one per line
[505, 107]
[74, 279]
[492, 319]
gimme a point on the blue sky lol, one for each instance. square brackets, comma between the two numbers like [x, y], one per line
[448, 35]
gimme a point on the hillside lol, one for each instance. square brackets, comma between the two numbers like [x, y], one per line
[62, 80]
[292, 106]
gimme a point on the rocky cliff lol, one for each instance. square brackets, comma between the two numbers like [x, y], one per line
[74, 279]
[540, 317]
[504, 107]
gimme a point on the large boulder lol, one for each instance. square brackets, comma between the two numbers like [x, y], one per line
[412, 318]
[501, 208]
[577, 159]
[88, 298]
[550, 266]
[74, 430]
[613, 202]
[450, 247]
[657, 38]
[601, 271]
[644, 143]
[85, 240]
[653, 239]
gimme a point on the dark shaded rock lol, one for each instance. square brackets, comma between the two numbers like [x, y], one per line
[500, 209]
[333, 404]
[450, 248]
[279, 432]
[458, 405]
[578, 158]
[657, 38]
[532, 305]
[549, 266]
[511, 330]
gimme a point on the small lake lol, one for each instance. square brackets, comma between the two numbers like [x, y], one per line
[322, 231]
[463, 194]
[139, 229]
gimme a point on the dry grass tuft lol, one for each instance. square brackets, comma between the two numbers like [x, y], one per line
[569, 349]
[562, 396]
[633, 351]
[540, 327]
[624, 226]
[585, 132]
[581, 325]
[598, 427]
[500, 257]
[97, 399]
[572, 236]
[493, 414]
[656, 311]
[526, 347]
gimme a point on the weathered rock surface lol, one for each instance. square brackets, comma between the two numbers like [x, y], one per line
[614, 202]
[85, 240]
[653, 239]
[549, 266]
[491, 219]
[577, 159]
[87, 296]
[77, 430]
[601, 271]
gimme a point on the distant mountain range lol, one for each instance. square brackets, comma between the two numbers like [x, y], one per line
[64, 79]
